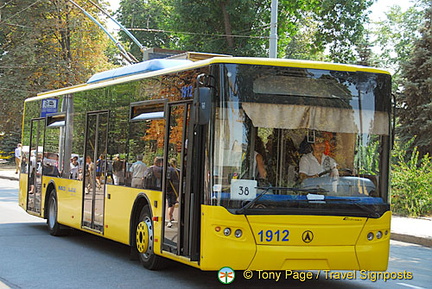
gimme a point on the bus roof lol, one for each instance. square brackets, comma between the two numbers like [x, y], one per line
[142, 67]
[157, 67]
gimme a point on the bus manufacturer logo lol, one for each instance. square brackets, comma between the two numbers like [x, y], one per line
[307, 236]
[226, 275]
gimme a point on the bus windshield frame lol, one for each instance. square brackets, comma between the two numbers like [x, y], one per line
[272, 117]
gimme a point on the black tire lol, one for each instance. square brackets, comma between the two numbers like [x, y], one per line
[54, 227]
[144, 241]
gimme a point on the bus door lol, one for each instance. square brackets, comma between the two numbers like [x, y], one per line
[176, 217]
[35, 165]
[94, 170]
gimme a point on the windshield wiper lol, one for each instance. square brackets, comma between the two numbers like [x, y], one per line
[251, 203]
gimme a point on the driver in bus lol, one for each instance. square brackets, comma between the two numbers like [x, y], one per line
[316, 163]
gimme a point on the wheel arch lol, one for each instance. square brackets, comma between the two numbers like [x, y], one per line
[51, 186]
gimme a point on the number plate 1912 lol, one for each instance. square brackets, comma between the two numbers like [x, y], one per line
[273, 236]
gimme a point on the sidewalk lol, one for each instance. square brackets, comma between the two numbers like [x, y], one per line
[411, 230]
[8, 172]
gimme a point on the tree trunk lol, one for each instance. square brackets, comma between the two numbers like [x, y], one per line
[227, 24]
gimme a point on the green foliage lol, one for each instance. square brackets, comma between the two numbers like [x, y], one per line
[367, 158]
[138, 16]
[416, 114]
[242, 27]
[411, 189]
[8, 143]
[341, 27]
[47, 45]
[395, 37]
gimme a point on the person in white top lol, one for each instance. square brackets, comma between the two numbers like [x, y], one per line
[18, 152]
[74, 168]
[137, 170]
[316, 163]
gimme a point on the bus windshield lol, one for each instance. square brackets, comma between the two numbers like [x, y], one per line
[299, 140]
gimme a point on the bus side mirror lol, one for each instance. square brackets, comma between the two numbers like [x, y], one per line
[203, 105]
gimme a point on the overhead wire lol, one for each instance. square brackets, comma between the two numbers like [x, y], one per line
[4, 5]
[196, 33]
[141, 29]
[22, 10]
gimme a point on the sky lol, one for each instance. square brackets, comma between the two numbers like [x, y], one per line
[114, 4]
[382, 6]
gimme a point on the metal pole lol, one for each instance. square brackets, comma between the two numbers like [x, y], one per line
[273, 29]
[131, 36]
[128, 57]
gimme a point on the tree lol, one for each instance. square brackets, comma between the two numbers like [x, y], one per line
[364, 52]
[416, 101]
[47, 45]
[144, 19]
[241, 27]
[341, 27]
[395, 37]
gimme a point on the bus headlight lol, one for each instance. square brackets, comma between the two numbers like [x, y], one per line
[238, 233]
[379, 235]
[227, 231]
[370, 236]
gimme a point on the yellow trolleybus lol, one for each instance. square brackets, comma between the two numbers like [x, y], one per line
[251, 163]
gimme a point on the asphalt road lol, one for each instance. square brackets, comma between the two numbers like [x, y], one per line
[31, 258]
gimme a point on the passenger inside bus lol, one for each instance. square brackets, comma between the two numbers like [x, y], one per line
[50, 165]
[118, 167]
[259, 169]
[153, 175]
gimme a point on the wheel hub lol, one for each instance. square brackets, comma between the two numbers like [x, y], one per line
[144, 236]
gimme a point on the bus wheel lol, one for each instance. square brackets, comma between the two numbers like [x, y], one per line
[54, 227]
[144, 241]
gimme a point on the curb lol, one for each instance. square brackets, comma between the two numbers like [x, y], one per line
[411, 239]
[9, 178]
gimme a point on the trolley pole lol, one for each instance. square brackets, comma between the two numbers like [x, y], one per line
[273, 29]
